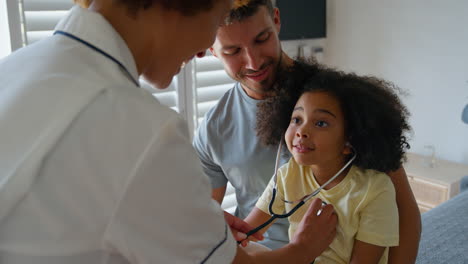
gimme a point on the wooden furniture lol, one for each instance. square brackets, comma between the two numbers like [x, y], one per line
[433, 185]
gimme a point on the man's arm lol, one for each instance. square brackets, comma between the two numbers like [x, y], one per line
[218, 194]
[201, 143]
[409, 220]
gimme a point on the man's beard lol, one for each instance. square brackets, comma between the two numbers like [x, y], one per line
[266, 86]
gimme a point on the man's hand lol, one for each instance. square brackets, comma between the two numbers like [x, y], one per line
[239, 228]
[315, 232]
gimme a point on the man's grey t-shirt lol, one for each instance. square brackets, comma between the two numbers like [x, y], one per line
[229, 150]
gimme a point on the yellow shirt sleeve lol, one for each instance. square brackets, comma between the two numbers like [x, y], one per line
[378, 224]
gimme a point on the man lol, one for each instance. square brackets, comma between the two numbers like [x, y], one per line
[226, 141]
[93, 169]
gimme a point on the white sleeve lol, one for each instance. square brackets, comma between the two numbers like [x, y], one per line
[166, 214]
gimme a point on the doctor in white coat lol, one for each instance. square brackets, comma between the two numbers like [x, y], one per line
[93, 169]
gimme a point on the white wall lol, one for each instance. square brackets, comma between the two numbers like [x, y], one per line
[420, 45]
[5, 47]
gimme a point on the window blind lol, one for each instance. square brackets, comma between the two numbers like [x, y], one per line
[41, 16]
[211, 82]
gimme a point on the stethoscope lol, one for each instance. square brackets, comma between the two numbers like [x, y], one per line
[300, 202]
[98, 50]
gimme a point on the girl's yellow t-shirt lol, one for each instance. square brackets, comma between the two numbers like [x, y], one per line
[364, 202]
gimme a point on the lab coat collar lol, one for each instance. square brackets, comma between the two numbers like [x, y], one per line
[93, 28]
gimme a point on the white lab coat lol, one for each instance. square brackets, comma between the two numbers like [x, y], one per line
[92, 168]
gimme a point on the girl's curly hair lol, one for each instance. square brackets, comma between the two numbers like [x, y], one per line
[274, 113]
[376, 121]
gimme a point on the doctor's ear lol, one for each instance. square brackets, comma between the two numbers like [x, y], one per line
[348, 149]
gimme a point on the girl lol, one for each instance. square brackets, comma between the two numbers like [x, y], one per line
[335, 117]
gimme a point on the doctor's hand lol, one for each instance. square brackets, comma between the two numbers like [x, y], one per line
[239, 228]
[316, 230]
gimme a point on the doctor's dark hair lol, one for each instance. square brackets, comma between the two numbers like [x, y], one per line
[185, 7]
[243, 9]
[376, 121]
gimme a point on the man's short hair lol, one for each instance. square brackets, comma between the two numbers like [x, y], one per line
[247, 9]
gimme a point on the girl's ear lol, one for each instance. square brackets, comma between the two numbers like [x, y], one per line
[348, 149]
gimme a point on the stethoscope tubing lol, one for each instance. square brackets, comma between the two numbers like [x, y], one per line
[273, 216]
[301, 202]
